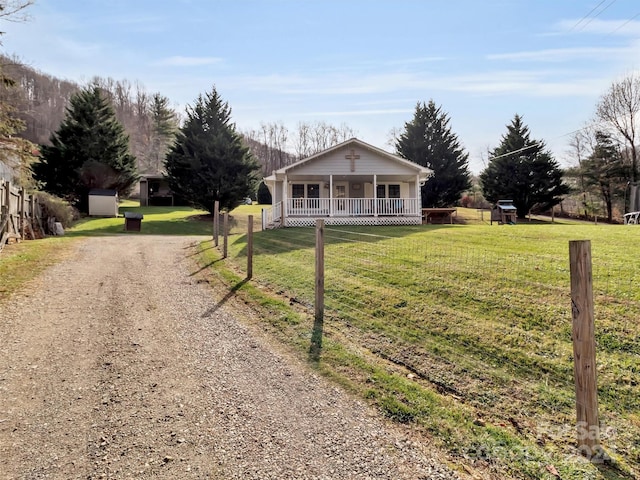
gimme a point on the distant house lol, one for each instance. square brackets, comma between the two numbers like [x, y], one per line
[155, 191]
[352, 183]
[103, 203]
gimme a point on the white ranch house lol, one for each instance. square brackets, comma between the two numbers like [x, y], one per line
[353, 183]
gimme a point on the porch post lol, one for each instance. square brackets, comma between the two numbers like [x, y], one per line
[375, 195]
[418, 201]
[285, 187]
[331, 195]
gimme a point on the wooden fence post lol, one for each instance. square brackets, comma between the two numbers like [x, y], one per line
[319, 303]
[32, 215]
[318, 323]
[584, 348]
[7, 194]
[225, 234]
[21, 207]
[216, 222]
[250, 247]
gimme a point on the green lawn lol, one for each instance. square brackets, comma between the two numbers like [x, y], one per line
[22, 262]
[156, 221]
[463, 332]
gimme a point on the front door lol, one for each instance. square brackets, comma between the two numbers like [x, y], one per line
[340, 195]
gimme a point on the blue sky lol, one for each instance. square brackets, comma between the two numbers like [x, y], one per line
[365, 63]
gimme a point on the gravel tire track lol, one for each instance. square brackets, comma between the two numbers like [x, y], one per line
[119, 363]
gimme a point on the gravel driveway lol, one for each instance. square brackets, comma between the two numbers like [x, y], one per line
[118, 363]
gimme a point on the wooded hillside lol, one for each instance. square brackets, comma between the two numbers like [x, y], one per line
[40, 101]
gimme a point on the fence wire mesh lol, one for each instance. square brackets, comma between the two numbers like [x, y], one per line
[485, 324]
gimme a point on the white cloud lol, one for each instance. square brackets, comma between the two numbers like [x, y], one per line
[352, 113]
[181, 61]
[563, 54]
[546, 83]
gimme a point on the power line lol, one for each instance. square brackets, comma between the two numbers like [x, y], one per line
[542, 143]
[598, 14]
[587, 15]
[625, 23]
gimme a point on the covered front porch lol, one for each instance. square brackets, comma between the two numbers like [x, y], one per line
[386, 200]
[352, 183]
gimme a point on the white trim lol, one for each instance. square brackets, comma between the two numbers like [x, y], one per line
[426, 172]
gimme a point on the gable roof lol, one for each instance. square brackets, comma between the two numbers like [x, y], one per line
[424, 171]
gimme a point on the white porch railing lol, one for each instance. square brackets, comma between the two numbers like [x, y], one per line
[352, 207]
[272, 217]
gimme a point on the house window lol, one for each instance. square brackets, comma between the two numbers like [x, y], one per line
[388, 191]
[297, 190]
[313, 190]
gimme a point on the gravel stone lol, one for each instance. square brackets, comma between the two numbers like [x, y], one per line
[120, 362]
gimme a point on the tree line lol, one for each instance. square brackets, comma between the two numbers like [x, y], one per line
[605, 152]
[40, 101]
[106, 133]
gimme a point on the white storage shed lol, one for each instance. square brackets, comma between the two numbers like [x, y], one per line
[103, 203]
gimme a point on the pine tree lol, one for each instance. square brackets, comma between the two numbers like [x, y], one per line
[209, 161]
[89, 150]
[604, 170]
[520, 169]
[428, 141]
[164, 124]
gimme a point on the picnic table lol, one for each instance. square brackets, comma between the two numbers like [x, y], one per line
[431, 214]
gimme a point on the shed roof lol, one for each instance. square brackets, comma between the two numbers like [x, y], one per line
[103, 192]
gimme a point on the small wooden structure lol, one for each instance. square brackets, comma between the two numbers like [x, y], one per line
[103, 203]
[155, 191]
[431, 215]
[504, 212]
[132, 221]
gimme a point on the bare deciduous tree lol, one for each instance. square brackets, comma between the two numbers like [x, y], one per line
[315, 137]
[619, 108]
[14, 10]
[581, 146]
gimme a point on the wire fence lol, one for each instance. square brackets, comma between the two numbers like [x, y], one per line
[485, 323]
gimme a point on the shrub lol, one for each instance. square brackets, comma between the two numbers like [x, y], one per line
[55, 207]
[264, 196]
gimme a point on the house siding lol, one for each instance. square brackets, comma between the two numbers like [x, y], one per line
[368, 164]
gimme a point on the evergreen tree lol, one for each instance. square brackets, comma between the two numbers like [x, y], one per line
[264, 195]
[520, 169]
[164, 125]
[209, 161]
[604, 170]
[428, 141]
[89, 150]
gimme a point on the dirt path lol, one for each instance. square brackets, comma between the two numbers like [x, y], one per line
[118, 363]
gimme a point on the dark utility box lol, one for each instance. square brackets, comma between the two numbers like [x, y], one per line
[132, 221]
